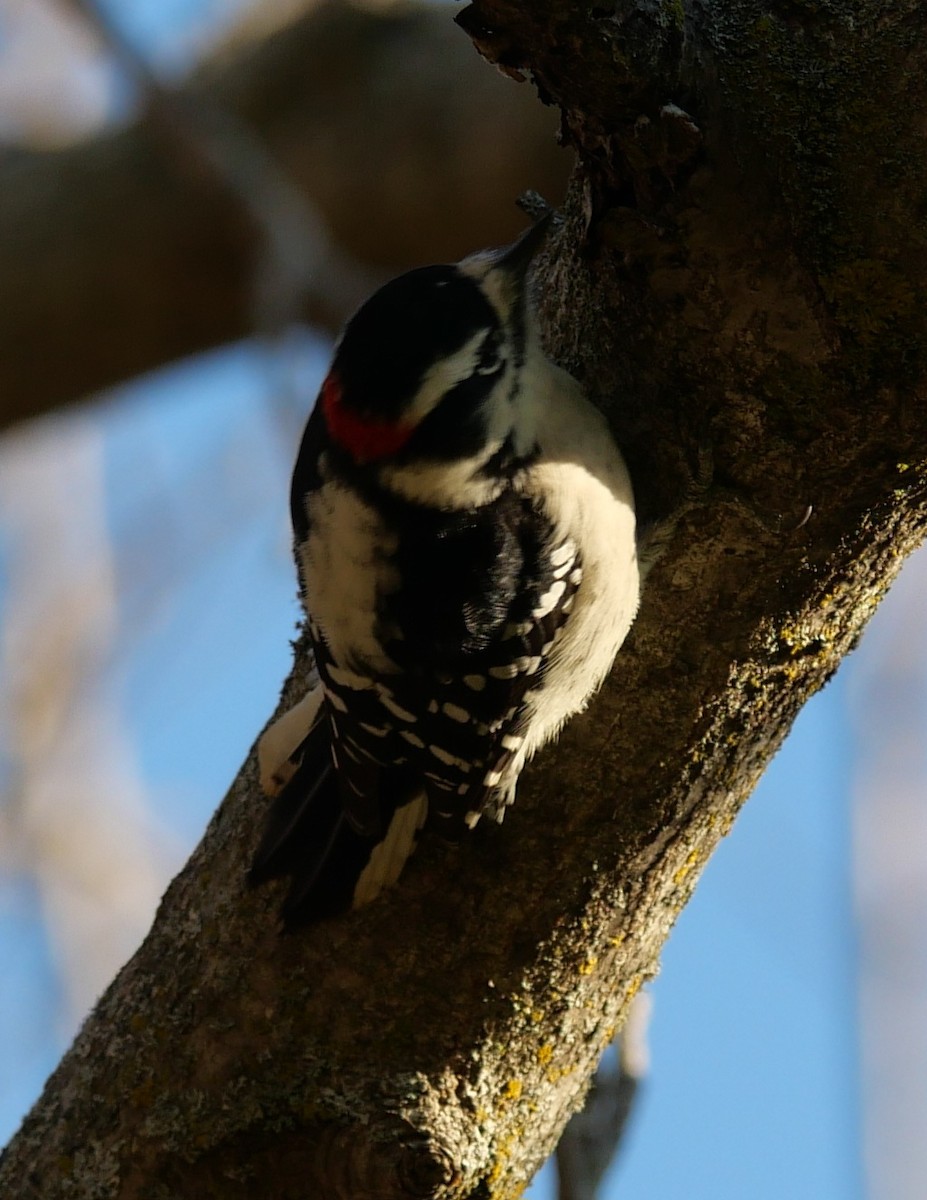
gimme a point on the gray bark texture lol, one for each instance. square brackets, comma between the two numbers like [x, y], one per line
[739, 279]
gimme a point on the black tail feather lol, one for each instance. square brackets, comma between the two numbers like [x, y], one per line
[328, 888]
[308, 836]
[291, 828]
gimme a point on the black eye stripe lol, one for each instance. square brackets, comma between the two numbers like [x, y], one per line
[404, 329]
[490, 360]
[455, 426]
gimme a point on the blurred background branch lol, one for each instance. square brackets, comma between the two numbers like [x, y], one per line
[297, 267]
[593, 1138]
[119, 254]
[73, 814]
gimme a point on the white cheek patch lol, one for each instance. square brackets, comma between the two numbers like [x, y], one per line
[446, 485]
[445, 375]
[497, 286]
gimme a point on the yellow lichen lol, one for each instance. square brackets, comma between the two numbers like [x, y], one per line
[587, 967]
[504, 1150]
[691, 859]
[495, 1172]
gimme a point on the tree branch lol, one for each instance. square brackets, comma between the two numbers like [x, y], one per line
[120, 254]
[297, 267]
[758, 303]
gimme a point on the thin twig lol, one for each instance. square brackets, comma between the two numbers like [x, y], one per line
[591, 1140]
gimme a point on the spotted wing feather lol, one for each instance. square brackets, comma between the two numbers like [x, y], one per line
[449, 722]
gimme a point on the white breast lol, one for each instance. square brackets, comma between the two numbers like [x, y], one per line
[346, 561]
[581, 481]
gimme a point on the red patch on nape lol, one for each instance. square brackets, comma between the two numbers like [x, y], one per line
[364, 438]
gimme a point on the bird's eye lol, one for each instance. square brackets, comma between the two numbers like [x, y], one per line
[491, 361]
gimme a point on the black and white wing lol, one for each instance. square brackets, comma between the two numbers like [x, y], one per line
[443, 736]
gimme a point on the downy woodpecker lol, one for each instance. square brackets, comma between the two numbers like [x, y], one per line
[464, 535]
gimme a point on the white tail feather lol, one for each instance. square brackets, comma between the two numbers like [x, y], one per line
[390, 855]
[279, 741]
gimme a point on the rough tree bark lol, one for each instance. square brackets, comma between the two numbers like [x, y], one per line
[739, 275]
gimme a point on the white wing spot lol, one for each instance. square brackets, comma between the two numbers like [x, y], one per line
[528, 666]
[396, 709]
[548, 601]
[374, 729]
[472, 819]
[576, 577]
[475, 683]
[450, 760]
[456, 713]
[335, 700]
[348, 679]
[563, 554]
[492, 778]
[412, 738]
[512, 741]
[506, 671]
[432, 706]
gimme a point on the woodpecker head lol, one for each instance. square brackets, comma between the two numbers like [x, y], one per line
[425, 388]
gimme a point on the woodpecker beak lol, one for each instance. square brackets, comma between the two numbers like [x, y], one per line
[515, 260]
[503, 273]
